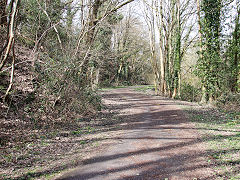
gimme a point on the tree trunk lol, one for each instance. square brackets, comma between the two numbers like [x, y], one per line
[236, 36]
[93, 20]
[177, 63]
[204, 98]
[161, 50]
[95, 79]
[10, 34]
[151, 27]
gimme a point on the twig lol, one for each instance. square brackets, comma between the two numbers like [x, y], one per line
[16, 65]
[100, 19]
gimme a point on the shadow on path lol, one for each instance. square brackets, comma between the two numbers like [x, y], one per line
[158, 143]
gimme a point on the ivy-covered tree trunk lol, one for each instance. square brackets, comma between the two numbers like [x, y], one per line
[235, 48]
[198, 2]
[210, 63]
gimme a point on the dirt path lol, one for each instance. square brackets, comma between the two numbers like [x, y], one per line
[158, 143]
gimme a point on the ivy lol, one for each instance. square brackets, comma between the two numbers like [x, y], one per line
[210, 64]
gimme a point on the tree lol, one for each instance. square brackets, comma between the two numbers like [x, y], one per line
[234, 52]
[210, 65]
[150, 19]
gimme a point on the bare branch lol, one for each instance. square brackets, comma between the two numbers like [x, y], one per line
[54, 26]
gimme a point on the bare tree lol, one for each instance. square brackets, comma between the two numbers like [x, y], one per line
[174, 26]
[149, 15]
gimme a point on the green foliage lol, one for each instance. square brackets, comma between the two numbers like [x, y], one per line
[115, 18]
[33, 22]
[218, 65]
[190, 93]
[84, 130]
[103, 39]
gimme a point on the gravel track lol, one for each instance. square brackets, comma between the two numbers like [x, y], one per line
[158, 143]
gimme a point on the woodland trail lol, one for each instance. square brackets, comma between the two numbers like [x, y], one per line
[158, 143]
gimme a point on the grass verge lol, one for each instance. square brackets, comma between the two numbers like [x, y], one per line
[221, 132]
[112, 87]
[144, 88]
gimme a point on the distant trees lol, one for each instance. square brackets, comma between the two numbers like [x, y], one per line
[130, 44]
